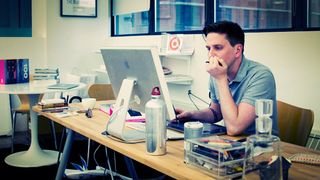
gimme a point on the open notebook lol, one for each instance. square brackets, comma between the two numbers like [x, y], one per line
[62, 86]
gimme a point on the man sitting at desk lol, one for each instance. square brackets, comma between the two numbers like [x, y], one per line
[235, 82]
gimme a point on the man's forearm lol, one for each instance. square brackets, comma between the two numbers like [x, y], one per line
[205, 115]
[229, 109]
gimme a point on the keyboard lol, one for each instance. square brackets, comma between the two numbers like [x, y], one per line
[171, 134]
[208, 128]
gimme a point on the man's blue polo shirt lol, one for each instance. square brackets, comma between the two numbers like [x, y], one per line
[253, 81]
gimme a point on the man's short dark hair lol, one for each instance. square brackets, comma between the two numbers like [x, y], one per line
[233, 31]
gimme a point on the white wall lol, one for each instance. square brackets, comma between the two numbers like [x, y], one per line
[33, 48]
[69, 43]
[72, 40]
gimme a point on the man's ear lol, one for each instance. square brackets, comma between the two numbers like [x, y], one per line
[239, 49]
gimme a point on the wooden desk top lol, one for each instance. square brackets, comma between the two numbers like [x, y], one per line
[172, 163]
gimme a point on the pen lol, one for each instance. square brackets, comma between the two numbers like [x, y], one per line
[207, 62]
[175, 113]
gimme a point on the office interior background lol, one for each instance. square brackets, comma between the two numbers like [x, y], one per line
[72, 44]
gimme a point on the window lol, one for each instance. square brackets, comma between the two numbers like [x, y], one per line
[133, 23]
[314, 14]
[189, 16]
[15, 18]
[179, 15]
[256, 14]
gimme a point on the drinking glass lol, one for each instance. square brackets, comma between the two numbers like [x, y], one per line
[264, 107]
[262, 158]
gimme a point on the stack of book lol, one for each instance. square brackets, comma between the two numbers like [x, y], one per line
[14, 71]
[53, 105]
[46, 74]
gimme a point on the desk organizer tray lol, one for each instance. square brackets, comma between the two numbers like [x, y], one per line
[219, 156]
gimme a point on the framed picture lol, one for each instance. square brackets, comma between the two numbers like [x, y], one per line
[78, 8]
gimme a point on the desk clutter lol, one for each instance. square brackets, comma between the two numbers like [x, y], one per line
[53, 105]
[14, 71]
[219, 156]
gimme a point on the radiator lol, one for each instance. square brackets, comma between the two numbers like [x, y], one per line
[314, 141]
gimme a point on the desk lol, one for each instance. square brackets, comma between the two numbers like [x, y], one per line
[172, 163]
[34, 156]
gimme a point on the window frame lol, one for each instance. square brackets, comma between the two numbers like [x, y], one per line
[24, 9]
[299, 20]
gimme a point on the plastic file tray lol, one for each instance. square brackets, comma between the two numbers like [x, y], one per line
[221, 157]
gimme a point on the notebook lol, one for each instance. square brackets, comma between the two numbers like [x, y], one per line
[62, 86]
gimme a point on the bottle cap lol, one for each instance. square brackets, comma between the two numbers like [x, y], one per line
[155, 91]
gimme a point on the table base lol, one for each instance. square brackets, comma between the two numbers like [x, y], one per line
[29, 159]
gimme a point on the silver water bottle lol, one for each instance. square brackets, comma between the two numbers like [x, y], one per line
[155, 124]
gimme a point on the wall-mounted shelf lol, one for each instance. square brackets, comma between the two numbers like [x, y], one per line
[179, 79]
[177, 54]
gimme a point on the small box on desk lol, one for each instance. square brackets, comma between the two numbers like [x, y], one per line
[219, 156]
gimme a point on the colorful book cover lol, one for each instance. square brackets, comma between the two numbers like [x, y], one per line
[11, 74]
[23, 71]
[8, 71]
[2, 71]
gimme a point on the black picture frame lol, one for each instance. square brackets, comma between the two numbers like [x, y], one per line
[78, 8]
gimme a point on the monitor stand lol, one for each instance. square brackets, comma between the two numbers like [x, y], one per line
[116, 124]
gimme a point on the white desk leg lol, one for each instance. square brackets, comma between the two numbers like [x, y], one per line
[34, 156]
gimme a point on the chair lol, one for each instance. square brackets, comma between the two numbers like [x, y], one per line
[295, 123]
[24, 108]
[101, 92]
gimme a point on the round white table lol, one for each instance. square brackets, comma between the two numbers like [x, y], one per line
[34, 156]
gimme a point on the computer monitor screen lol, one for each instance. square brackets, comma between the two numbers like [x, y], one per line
[133, 72]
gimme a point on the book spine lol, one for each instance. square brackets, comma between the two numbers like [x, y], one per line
[8, 73]
[46, 71]
[56, 109]
[11, 74]
[53, 105]
[23, 71]
[2, 72]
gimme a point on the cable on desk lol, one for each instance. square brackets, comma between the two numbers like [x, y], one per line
[94, 155]
[108, 163]
[191, 94]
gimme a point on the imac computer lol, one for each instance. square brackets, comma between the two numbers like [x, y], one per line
[133, 72]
